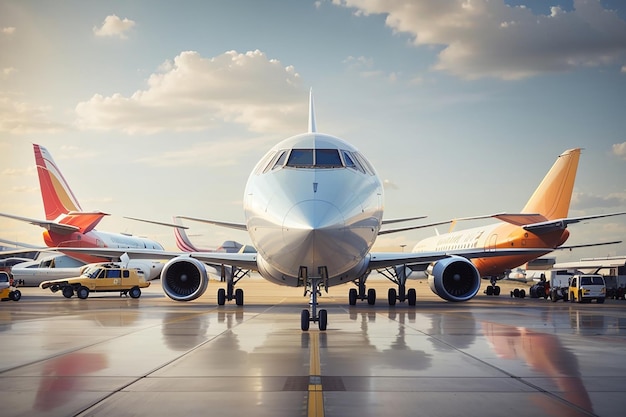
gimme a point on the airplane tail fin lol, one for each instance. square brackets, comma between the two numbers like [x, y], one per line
[182, 240]
[553, 196]
[312, 127]
[59, 201]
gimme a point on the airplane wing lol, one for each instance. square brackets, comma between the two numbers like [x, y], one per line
[174, 225]
[216, 259]
[48, 225]
[237, 226]
[380, 260]
[401, 220]
[587, 245]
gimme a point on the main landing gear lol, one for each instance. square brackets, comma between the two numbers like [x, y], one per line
[234, 275]
[397, 275]
[313, 288]
[492, 288]
[354, 295]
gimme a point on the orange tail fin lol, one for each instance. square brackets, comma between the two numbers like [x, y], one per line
[553, 196]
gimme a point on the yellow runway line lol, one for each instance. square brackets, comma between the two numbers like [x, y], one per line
[316, 396]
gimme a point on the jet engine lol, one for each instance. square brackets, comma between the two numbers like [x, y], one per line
[454, 278]
[184, 278]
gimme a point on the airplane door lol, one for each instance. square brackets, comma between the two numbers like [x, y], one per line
[491, 245]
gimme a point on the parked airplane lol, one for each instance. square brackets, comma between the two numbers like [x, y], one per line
[67, 225]
[542, 223]
[313, 207]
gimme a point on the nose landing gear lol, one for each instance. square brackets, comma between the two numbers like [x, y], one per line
[313, 288]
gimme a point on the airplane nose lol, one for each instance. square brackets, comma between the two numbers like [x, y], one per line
[311, 227]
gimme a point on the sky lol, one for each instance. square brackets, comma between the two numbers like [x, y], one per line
[157, 108]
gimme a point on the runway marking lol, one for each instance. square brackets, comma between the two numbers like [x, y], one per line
[316, 395]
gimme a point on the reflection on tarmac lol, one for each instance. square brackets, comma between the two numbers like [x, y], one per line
[109, 356]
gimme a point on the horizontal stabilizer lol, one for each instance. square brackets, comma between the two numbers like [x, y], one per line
[64, 229]
[560, 224]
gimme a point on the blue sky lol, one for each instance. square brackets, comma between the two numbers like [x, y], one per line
[155, 108]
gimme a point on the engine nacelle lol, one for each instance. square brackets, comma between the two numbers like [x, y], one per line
[454, 278]
[184, 278]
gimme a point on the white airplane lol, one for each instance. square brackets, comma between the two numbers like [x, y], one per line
[313, 208]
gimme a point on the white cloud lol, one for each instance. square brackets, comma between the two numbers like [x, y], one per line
[22, 118]
[619, 149]
[196, 93]
[114, 26]
[484, 38]
[624, 69]
[585, 201]
[6, 72]
[8, 30]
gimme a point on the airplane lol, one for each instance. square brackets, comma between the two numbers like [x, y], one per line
[542, 223]
[313, 208]
[67, 225]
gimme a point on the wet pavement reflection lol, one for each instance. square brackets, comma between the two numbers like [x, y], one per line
[152, 356]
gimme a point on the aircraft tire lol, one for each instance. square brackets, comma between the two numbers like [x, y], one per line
[391, 296]
[412, 297]
[352, 295]
[322, 319]
[83, 292]
[239, 296]
[221, 297]
[304, 320]
[371, 296]
[496, 290]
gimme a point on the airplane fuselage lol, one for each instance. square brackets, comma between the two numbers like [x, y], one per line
[494, 237]
[313, 213]
[97, 239]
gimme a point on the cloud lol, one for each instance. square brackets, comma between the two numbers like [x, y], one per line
[193, 93]
[22, 118]
[6, 72]
[585, 201]
[484, 38]
[619, 149]
[8, 30]
[114, 26]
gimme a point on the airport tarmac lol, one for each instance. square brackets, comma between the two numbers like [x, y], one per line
[491, 356]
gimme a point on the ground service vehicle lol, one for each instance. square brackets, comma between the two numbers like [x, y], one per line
[7, 290]
[100, 278]
[584, 288]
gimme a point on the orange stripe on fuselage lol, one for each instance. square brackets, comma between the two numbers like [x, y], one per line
[511, 237]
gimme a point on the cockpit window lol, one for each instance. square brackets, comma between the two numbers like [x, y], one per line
[327, 158]
[368, 168]
[281, 160]
[301, 158]
[267, 162]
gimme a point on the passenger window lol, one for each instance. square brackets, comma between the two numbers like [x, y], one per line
[327, 158]
[126, 273]
[300, 158]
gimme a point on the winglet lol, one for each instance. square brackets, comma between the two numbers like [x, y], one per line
[312, 127]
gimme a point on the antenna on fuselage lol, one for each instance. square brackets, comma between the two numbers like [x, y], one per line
[311, 113]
